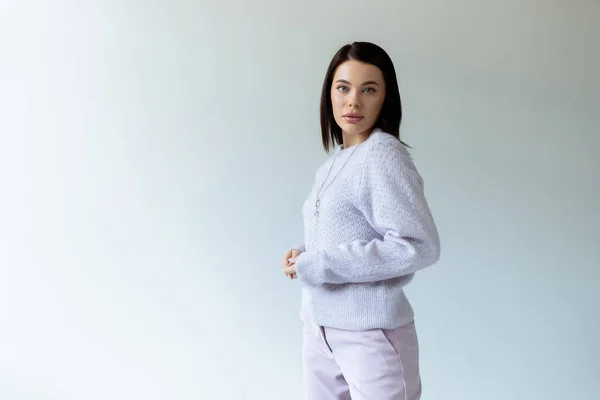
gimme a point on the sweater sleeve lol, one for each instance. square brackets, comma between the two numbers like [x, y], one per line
[392, 199]
[300, 247]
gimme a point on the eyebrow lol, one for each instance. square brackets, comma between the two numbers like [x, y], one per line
[364, 83]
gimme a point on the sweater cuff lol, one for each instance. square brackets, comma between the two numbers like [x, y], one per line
[307, 268]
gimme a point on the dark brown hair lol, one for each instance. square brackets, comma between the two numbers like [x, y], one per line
[391, 110]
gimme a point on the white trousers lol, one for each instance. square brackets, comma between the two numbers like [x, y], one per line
[377, 364]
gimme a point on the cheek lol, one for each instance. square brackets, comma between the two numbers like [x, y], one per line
[335, 100]
[376, 106]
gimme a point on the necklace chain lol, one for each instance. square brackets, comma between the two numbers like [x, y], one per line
[320, 193]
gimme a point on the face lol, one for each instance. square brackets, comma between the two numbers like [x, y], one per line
[357, 94]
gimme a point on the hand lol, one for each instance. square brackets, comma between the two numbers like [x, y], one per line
[288, 263]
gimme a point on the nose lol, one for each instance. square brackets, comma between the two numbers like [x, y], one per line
[354, 100]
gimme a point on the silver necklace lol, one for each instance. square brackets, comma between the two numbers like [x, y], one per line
[319, 192]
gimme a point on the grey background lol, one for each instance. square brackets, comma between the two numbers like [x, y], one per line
[154, 157]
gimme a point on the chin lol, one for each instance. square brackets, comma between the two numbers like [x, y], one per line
[354, 129]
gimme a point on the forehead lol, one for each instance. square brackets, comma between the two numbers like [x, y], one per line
[358, 71]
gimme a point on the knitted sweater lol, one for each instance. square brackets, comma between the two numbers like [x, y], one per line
[372, 232]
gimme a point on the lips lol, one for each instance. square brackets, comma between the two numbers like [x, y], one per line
[353, 118]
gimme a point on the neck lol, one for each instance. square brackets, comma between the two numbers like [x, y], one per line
[355, 138]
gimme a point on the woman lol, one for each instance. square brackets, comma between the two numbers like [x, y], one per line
[368, 229]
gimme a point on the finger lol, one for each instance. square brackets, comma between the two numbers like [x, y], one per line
[286, 256]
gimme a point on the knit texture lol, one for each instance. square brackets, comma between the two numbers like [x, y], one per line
[374, 230]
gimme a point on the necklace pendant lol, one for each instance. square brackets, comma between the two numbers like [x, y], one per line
[316, 213]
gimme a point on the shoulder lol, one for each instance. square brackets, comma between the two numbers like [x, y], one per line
[385, 148]
[388, 160]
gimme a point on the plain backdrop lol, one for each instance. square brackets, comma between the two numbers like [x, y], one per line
[154, 157]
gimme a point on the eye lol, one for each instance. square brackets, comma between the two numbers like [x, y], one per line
[342, 88]
[369, 90]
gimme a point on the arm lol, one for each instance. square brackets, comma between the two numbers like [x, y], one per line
[391, 197]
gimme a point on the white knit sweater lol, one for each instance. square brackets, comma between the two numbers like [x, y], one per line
[373, 231]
